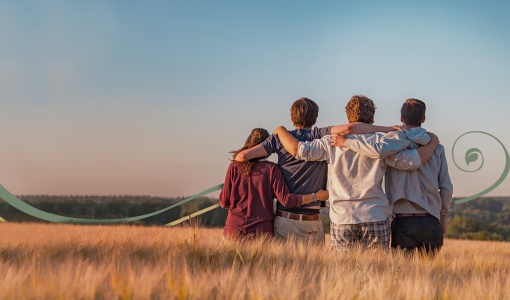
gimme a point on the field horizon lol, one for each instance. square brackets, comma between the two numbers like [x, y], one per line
[49, 261]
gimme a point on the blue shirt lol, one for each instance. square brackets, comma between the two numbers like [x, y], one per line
[302, 177]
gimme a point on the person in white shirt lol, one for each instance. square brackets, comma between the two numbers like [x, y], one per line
[421, 198]
[359, 209]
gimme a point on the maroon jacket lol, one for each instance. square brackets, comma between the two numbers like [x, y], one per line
[249, 199]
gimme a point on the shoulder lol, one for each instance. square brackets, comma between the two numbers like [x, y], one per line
[317, 132]
[325, 139]
[397, 134]
[270, 139]
[371, 137]
[264, 164]
[270, 144]
[267, 163]
[268, 166]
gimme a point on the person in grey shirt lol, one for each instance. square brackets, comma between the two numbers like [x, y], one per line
[421, 198]
[359, 209]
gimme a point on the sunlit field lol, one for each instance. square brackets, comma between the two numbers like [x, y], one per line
[48, 261]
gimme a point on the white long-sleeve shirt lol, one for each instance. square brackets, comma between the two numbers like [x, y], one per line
[355, 180]
[427, 189]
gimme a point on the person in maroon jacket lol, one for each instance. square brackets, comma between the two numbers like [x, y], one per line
[249, 190]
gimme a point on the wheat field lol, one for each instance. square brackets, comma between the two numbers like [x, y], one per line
[49, 261]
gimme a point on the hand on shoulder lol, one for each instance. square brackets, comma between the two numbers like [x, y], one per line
[338, 140]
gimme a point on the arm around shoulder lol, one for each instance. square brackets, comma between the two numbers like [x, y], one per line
[360, 128]
[427, 150]
[254, 152]
[289, 142]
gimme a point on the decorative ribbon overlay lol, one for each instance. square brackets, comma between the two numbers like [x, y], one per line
[35, 212]
[472, 155]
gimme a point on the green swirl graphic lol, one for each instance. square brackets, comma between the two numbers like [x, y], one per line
[35, 212]
[472, 155]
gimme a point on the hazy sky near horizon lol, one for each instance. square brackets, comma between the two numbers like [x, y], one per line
[131, 97]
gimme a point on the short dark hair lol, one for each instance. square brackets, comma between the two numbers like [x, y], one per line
[413, 111]
[360, 109]
[304, 112]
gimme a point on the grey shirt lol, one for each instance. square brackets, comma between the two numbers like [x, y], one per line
[355, 180]
[302, 177]
[427, 189]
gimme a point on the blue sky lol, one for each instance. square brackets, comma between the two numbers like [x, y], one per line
[129, 97]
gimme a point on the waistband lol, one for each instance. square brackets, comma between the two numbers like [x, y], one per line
[412, 215]
[299, 217]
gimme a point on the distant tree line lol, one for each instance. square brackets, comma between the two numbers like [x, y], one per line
[113, 207]
[482, 219]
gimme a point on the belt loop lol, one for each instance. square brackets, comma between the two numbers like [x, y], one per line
[300, 217]
[288, 215]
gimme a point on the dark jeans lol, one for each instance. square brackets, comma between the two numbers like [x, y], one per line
[422, 233]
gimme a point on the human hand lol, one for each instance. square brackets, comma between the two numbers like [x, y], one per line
[396, 127]
[279, 129]
[338, 140]
[322, 195]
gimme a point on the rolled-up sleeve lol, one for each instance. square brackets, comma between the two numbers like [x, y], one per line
[378, 148]
[316, 150]
[405, 160]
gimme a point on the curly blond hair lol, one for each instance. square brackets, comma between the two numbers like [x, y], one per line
[360, 109]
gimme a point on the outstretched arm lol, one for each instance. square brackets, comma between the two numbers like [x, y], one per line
[375, 148]
[289, 142]
[408, 160]
[254, 152]
[426, 151]
[360, 128]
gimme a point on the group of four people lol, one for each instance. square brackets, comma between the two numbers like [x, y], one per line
[350, 161]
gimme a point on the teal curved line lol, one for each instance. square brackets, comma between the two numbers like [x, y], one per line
[494, 185]
[35, 212]
[472, 156]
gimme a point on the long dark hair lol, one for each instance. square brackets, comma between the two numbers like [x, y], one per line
[257, 136]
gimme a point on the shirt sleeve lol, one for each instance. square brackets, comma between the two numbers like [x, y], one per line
[281, 191]
[321, 132]
[445, 187]
[270, 144]
[224, 198]
[405, 160]
[377, 148]
[316, 150]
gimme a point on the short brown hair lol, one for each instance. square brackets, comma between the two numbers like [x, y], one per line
[304, 112]
[360, 109]
[413, 111]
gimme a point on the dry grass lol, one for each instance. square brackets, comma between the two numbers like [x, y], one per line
[93, 262]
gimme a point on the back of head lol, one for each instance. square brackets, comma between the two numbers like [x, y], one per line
[360, 109]
[257, 136]
[304, 113]
[413, 112]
